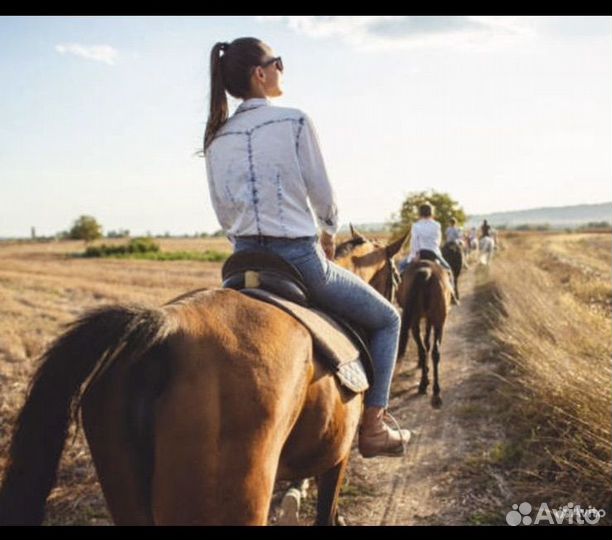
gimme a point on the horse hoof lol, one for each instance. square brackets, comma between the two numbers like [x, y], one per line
[341, 521]
[290, 508]
[422, 390]
[436, 402]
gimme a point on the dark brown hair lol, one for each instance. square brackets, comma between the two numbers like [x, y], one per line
[230, 72]
[425, 210]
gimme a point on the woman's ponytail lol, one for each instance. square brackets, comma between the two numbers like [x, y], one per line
[230, 71]
[218, 113]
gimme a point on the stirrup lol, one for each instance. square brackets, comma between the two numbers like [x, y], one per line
[404, 442]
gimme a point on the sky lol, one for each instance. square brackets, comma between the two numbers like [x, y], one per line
[104, 115]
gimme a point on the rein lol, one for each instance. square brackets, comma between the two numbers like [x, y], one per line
[393, 279]
[393, 276]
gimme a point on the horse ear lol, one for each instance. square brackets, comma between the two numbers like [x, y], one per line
[394, 247]
[355, 233]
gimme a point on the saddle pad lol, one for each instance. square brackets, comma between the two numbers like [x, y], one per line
[329, 339]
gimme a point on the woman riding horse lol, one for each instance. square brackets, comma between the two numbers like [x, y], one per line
[263, 165]
[193, 409]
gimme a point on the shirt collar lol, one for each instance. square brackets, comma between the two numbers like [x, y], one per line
[252, 103]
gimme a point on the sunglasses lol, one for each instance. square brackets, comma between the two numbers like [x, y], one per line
[277, 61]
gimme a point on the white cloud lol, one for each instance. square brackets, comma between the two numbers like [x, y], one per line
[99, 53]
[384, 32]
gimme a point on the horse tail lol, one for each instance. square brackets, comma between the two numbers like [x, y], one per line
[453, 254]
[415, 305]
[80, 355]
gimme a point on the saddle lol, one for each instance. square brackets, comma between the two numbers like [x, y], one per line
[269, 278]
[428, 255]
[256, 269]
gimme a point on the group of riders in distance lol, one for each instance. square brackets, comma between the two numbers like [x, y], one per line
[426, 238]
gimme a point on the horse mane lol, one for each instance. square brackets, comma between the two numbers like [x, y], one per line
[345, 248]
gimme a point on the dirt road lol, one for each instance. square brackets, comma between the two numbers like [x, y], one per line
[429, 485]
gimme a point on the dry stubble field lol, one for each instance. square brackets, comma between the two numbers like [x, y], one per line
[548, 299]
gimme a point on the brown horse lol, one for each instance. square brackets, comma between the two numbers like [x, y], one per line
[453, 254]
[424, 293]
[191, 410]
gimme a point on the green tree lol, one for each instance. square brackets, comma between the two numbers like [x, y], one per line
[86, 228]
[445, 208]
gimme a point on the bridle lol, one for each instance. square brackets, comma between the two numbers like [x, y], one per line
[393, 276]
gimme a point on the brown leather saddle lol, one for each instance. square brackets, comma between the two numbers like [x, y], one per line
[270, 278]
[256, 269]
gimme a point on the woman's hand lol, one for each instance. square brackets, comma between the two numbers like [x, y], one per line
[328, 243]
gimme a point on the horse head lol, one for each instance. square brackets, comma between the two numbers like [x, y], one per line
[371, 260]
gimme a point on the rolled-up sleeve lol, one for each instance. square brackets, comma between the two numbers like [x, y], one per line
[320, 191]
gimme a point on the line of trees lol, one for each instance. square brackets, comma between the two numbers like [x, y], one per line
[87, 228]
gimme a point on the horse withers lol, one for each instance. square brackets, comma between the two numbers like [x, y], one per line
[192, 409]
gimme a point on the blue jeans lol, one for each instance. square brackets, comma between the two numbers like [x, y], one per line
[341, 291]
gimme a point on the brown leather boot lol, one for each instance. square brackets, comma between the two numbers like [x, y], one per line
[377, 439]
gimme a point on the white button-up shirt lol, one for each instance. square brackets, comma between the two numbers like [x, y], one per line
[425, 234]
[453, 234]
[264, 166]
